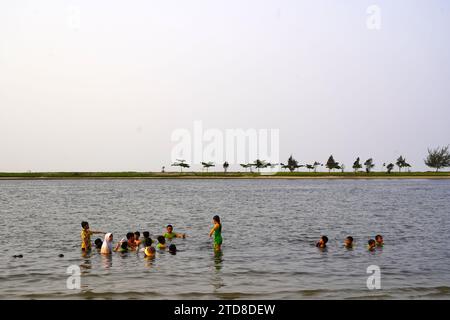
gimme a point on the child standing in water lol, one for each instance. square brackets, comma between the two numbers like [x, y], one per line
[86, 234]
[217, 232]
[170, 234]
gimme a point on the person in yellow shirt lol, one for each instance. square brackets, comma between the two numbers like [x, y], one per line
[86, 233]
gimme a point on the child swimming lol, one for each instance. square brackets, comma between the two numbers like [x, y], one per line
[137, 235]
[162, 243]
[379, 240]
[173, 249]
[86, 234]
[149, 252]
[170, 234]
[371, 244]
[322, 243]
[98, 243]
[217, 232]
[131, 241]
[348, 242]
[122, 246]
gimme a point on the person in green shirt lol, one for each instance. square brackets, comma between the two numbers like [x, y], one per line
[170, 234]
[216, 231]
[161, 243]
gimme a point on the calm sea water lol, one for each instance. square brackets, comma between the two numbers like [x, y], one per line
[269, 230]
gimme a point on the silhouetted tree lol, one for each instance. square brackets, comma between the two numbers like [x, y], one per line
[389, 167]
[331, 164]
[356, 165]
[369, 165]
[438, 158]
[225, 166]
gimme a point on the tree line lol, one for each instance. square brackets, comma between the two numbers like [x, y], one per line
[437, 158]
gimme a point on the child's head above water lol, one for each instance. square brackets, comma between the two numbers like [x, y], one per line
[169, 228]
[130, 236]
[161, 239]
[149, 251]
[348, 242]
[146, 234]
[173, 248]
[148, 242]
[379, 239]
[98, 243]
[85, 225]
[371, 244]
[322, 242]
[124, 246]
[137, 234]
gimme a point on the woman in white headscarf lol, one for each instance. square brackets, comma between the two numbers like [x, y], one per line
[107, 244]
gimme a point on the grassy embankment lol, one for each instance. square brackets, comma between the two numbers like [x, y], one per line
[218, 175]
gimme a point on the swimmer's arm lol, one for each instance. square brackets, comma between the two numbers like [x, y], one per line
[180, 235]
[98, 232]
[213, 229]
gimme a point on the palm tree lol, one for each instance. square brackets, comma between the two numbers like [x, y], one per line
[389, 167]
[331, 164]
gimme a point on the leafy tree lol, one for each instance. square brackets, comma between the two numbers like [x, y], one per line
[293, 164]
[181, 163]
[225, 166]
[389, 167]
[316, 164]
[207, 165]
[309, 167]
[401, 162]
[331, 164]
[356, 165]
[369, 165]
[438, 158]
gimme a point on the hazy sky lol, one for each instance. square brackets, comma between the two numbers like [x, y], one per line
[101, 85]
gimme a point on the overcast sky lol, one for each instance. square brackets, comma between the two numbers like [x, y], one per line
[101, 85]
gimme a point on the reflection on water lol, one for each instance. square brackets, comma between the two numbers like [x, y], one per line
[270, 231]
[217, 280]
[107, 261]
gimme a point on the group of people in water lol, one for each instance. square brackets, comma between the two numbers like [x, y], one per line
[133, 242]
[349, 244]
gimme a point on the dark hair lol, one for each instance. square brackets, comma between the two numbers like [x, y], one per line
[146, 234]
[378, 236]
[169, 226]
[148, 242]
[84, 224]
[216, 219]
[137, 234]
[325, 239]
[161, 239]
[124, 245]
[130, 235]
[98, 243]
[371, 241]
[173, 248]
[350, 238]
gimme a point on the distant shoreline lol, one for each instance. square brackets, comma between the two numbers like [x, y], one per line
[218, 175]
